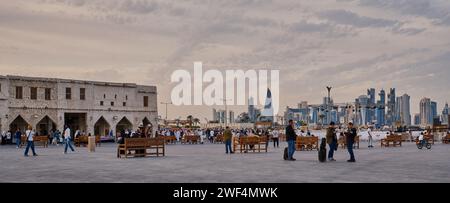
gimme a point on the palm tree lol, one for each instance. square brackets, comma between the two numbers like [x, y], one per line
[189, 118]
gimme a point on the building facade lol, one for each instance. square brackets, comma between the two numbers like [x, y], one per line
[390, 116]
[98, 108]
[425, 112]
[381, 110]
[403, 112]
[445, 113]
[434, 114]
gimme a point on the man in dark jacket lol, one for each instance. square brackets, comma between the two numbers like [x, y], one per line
[331, 141]
[350, 136]
[291, 137]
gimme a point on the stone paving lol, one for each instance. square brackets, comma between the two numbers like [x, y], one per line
[209, 163]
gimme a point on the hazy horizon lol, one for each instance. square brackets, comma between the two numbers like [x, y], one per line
[351, 45]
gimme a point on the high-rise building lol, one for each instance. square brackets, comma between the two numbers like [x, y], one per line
[301, 113]
[390, 117]
[314, 115]
[425, 112]
[362, 110]
[433, 111]
[445, 113]
[326, 110]
[251, 110]
[381, 109]
[371, 110]
[403, 114]
[416, 119]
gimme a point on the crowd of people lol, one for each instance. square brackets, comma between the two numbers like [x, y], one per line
[291, 132]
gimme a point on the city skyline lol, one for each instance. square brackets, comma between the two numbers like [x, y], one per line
[350, 45]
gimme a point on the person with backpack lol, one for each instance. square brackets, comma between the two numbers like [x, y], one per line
[30, 141]
[331, 141]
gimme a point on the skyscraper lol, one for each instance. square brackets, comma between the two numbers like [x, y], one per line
[445, 113]
[371, 103]
[267, 111]
[403, 114]
[416, 119]
[381, 110]
[362, 115]
[425, 112]
[433, 111]
[251, 110]
[390, 117]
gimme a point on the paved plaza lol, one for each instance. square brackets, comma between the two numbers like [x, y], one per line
[209, 163]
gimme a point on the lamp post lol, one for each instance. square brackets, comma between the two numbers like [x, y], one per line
[166, 103]
[226, 111]
[328, 104]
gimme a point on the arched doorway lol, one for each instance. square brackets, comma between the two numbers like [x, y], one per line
[123, 124]
[18, 124]
[101, 127]
[45, 126]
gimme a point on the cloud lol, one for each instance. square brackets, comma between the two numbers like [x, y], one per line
[139, 6]
[435, 10]
[349, 18]
[350, 44]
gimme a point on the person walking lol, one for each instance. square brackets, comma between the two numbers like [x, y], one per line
[350, 135]
[370, 142]
[331, 141]
[291, 137]
[227, 136]
[30, 141]
[18, 136]
[67, 140]
[275, 138]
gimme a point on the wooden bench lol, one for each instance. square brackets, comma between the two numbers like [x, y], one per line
[191, 139]
[446, 139]
[98, 140]
[140, 146]
[396, 140]
[307, 143]
[41, 140]
[218, 139]
[343, 142]
[250, 143]
[430, 138]
[81, 140]
[170, 139]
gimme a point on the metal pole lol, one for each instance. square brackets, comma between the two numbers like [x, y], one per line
[166, 103]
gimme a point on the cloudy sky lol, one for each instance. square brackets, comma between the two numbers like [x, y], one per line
[349, 44]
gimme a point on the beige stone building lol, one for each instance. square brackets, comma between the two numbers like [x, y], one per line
[90, 106]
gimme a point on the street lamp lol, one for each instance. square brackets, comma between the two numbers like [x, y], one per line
[225, 102]
[328, 103]
[166, 103]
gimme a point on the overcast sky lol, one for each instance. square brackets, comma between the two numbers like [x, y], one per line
[349, 44]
